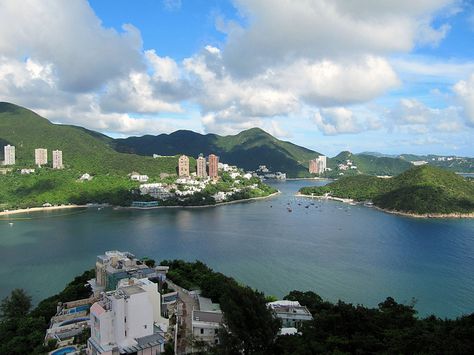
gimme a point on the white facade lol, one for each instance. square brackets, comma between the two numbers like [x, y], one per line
[138, 177]
[291, 313]
[57, 159]
[41, 156]
[9, 154]
[207, 321]
[128, 320]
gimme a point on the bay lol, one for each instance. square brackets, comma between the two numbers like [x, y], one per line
[353, 253]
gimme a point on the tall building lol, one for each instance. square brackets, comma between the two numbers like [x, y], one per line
[128, 320]
[201, 166]
[57, 159]
[9, 153]
[183, 166]
[318, 165]
[213, 166]
[41, 156]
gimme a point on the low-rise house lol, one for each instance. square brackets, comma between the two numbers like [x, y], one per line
[85, 177]
[137, 177]
[291, 313]
[206, 321]
[27, 171]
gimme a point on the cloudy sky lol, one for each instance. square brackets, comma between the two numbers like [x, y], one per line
[393, 76]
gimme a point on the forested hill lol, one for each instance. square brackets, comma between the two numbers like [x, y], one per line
[83, 150]
[248, 149]
[420, 190]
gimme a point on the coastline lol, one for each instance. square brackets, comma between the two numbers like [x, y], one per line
[399, 213]
[204, 206]
[41, 209]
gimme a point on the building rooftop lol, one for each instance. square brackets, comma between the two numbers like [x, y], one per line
[210, 317]
[132, 290]
[205, 304]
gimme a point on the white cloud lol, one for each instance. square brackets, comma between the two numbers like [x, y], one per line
[340, 120]
[71, 38]
[464, 90]
[280, 32]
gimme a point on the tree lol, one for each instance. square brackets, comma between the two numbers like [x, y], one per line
[17, 305]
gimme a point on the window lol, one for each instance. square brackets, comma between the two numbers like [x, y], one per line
[216, 331]
[202, 331]
[144, 326]
[125, 319]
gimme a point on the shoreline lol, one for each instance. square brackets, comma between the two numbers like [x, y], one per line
[203, 206]
[399, 213]
[42, 209]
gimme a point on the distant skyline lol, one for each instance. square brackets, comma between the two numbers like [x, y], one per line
[331, 75]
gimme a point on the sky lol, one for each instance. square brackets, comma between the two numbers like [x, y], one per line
[393, 76]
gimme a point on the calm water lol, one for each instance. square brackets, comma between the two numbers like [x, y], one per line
[352, 253]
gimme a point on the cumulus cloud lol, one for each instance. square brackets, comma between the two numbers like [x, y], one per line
[70, 37]
[280, 32]
[464, 90]
[340, 120]
[413, 116]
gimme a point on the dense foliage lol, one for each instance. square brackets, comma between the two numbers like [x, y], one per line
[251, 327]
[22, 330]
[421, 190]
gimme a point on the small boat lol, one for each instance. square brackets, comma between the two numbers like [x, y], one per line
[11, 224]
[290, 210]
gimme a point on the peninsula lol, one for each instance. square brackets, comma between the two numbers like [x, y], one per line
[422, 191]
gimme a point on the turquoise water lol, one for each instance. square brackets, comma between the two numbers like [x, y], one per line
[352, 253]
[63, 351]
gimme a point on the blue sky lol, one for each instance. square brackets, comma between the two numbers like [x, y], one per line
[391, 76]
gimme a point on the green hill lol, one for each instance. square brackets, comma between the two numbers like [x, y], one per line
[83, 150]
[248, 149]
[420, 190]
[366, 164]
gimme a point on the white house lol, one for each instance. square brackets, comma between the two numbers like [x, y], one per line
[128, 320]
[207, 321]
[291, 313]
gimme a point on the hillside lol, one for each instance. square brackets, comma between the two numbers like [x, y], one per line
[248, 149]
[366, 164]
[420, 190]
[83, 150]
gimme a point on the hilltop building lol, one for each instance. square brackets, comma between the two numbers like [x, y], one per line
[128, 320]
[41, 156]
[318, 165]
[213, 166]
[57, 159]
[137, 177]
[9, 154]
[115, 265]
[201, 167]
[183, 166]
[291, 313]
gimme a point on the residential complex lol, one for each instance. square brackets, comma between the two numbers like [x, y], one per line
[9, 155]
[318, 165]
[41, 156]
[115, 265]
[201, 167]
[183, 166]
[128, 320]
[213, 166]
[57, 159]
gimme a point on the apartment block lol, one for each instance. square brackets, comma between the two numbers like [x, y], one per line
[57, 159]
[41, 156]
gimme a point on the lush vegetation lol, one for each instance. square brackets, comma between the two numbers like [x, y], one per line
[83, 150]
[366, 164]
[63, 187]
[22, 330]
[420, 190]
[248, 149]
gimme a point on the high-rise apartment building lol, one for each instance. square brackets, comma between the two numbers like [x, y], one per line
[57, 159]
[201, 166]
[213, 166]
[41, 156]
[9, 153]
[183, 166]
[318, 165]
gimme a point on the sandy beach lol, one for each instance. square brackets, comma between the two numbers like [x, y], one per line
[40, 209]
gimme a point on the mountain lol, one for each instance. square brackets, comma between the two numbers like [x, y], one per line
[420, 190]
[248, 149]
[83, 150]
[355, 164]
[449, 162]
